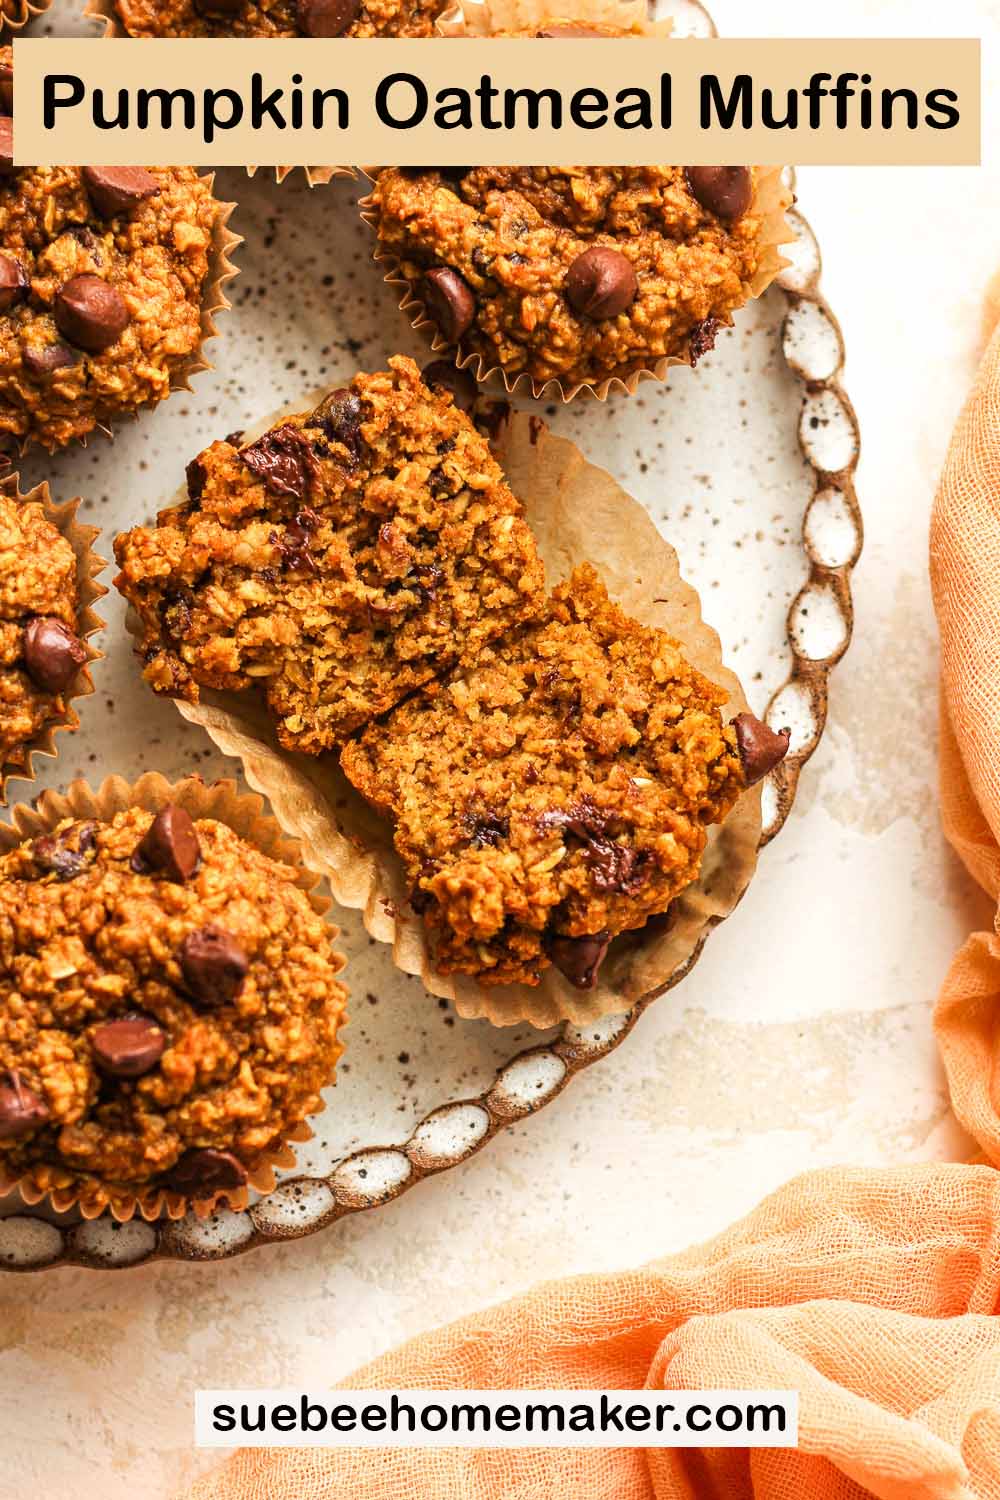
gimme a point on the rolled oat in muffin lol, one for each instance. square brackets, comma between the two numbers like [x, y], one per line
[41, 650]
[103, 271]
[169, 1008]
[248, 18]
[574, 274]
[558, 792]
[336, 563]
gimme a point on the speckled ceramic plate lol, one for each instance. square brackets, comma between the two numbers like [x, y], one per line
[746, 465]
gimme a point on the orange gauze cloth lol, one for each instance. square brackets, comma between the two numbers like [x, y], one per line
[965, 576]
[872, 1292]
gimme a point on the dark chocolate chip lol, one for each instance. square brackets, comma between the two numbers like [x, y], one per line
[90, 313]
[48, 359]
[13, 282]
[616, 867]
[128, 1047]
[460, 385]
[64, 854]
[200, 1174]
[761, 749]
[726, 192]
[579, 958]
[169, 846]
[339, 417]
[117, 190]
[21, 1110]
[449, 302]
[601, 283]
[327, 17]
[702, 338]
[7, 91]
[52, 654]
[195, 476]
[214, 966]
[293, 542]
[485, 827]
[6, 146]
[284, 460]
[221, 8]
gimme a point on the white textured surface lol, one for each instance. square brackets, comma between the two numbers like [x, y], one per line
[803, 1036]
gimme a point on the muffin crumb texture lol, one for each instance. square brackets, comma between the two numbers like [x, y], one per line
[336, 563]
[575, 274]
[40, 652]
[558, 793]
[169, 1008]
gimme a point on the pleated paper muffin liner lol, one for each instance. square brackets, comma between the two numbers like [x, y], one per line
[214, 299]
[577, 513]
[771, 199]
[20, 13]
[88, 569]
[244, 813]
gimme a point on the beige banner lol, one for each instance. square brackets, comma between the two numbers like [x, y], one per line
[599, 101]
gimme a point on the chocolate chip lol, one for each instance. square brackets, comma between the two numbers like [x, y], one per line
[339, 417]
[293, 542]
[726, 192]
[601, 283]
[214, 965]
[116, 190]
[52, 654]
[48, 359]
[284, 460]
[21, 1110]
[7, 91]
[579, 958]
[760, 748]
[222, 8]
[702, 338]
[439, 375]
[616, 867]
[449, 302]
[195, 476]
[485, 827]
[6, 146]
[169, 846]
[13, 282]
[90, 312]
[129, 1047]
[327, 17]
[199, 1174]
[64, 854]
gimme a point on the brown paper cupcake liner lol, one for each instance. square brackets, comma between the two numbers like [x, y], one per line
[243, 812]
[21, 12]
[577, 512]
[214, 300]
[88, 568]
[771, 200]
[315, 176]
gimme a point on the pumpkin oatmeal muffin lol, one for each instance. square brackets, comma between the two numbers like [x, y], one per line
[41, 650]
[574, 274]
[168, 1007]
[336, 563]
[102, 275]
[558, 792]
[318, 18]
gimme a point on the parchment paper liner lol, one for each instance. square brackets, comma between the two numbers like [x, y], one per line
[221, 270]
[577, 512]
[88, 568]
[26, 10]
[241, 811]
